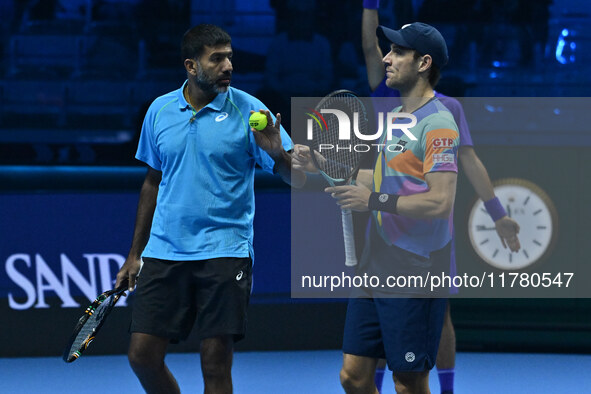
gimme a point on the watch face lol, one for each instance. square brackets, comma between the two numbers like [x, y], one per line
[532, 209]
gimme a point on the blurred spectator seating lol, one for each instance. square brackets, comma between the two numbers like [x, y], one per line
[44, 55]
[99, 104]
[29, 104]
[109, 51]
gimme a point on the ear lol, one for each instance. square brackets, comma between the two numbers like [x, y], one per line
[426, 61]
[191, 66]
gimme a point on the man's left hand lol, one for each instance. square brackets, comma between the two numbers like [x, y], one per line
[353, 197]
[507, 229]
[269, 138]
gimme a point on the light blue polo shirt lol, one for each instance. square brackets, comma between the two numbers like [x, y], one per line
[205, 206]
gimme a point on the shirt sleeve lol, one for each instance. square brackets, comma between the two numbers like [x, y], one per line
[441, 143]
[456, 109]
[147, 151]
[465, 137]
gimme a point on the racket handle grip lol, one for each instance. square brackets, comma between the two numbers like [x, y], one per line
[349, 238]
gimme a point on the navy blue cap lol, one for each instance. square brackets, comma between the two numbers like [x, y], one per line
[421, 37]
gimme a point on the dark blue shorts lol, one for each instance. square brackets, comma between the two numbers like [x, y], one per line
[404, 331]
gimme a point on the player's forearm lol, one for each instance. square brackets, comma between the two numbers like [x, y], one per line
[435, 203]
[283, 167]
[371, 50]
[428, 205]
[365, 178]
[369, 24]
[478, 177]
[476, 173]
[145, 213]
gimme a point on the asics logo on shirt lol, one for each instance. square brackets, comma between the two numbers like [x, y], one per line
[221, 117]
[239, 276]
[409, 357]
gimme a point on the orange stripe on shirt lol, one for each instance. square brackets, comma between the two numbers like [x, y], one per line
[407, 163]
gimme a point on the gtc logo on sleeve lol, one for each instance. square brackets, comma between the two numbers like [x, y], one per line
[443, 143]
[439, 158]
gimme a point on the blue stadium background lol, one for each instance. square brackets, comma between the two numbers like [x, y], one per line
[76, 78]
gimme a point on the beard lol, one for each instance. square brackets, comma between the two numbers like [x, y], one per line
[208, 84]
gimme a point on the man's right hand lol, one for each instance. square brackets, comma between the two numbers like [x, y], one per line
[129, 272]
[301, 159]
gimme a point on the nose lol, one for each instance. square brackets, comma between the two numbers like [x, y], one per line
[386, 59]
[227, 65]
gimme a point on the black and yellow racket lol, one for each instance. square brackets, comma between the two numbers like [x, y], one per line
[90, 323]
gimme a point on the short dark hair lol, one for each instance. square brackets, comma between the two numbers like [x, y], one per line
[197, 37]
[434, 72]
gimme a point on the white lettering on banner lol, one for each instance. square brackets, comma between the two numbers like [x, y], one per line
[62, 289]
[105, 270]
[20, 280]
[47, 281]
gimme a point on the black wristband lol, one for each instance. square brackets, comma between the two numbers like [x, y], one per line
[383, 202]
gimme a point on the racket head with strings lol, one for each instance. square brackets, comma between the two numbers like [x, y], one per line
[90, 323]
[339, 166]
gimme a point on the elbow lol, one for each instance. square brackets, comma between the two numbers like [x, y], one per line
[299, 183]
[444, 209]
[443, 214]
[298, 179]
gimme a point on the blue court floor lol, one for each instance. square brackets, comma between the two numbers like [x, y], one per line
[299, 372]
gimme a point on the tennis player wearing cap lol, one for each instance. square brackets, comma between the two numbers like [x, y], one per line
[476, 172]
[410, 194]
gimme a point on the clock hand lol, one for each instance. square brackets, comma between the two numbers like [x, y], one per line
[508, 210]
[481, 227]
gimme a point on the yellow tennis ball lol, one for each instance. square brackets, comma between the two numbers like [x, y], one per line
[258, 121]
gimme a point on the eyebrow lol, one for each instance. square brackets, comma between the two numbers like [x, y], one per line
[221, 53]
[394, 46]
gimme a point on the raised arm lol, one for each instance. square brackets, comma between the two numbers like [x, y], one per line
[369, 41]
[141, 233]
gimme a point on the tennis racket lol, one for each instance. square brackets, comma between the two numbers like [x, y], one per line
[339, 166]
[90, 323]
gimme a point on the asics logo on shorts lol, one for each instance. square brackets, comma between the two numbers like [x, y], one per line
[239, 276]
[409, 357]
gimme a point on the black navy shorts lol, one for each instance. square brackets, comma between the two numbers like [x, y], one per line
[172, 296]
[404, 331]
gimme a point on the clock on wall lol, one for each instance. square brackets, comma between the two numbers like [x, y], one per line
[536, 215]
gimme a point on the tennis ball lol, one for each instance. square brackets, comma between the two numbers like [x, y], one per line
[258, 121]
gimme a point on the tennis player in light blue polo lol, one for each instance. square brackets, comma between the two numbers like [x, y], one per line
[212, 154]
[194, 225]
